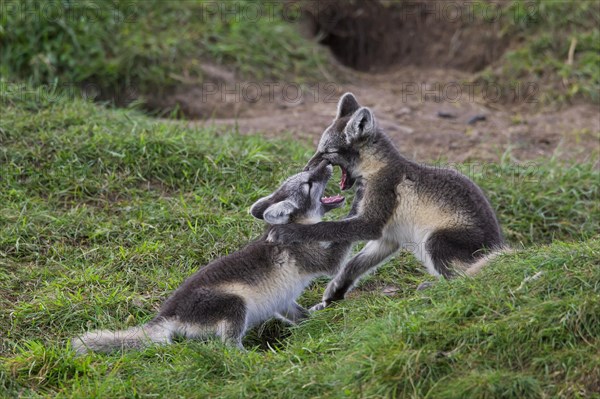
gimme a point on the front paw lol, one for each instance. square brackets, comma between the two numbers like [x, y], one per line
[335, 291]
[283, 234]
[317, 307]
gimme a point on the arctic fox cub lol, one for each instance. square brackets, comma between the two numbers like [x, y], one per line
[260, 281]
[439, 214]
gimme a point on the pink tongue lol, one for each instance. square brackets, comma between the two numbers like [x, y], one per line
[343, 181]
[330, 200]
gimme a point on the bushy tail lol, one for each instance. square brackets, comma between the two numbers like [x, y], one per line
[155, 332]
[476, 267]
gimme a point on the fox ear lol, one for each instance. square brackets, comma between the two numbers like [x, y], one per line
[279, 213]
[347, 105]
[362, 124]
[258, 209]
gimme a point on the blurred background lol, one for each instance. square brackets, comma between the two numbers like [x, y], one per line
[465, 79]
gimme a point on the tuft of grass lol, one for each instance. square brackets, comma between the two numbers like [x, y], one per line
[541, 201]
[105, 212]
[125, 49]
[543, 33]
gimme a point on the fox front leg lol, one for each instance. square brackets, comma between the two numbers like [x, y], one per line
[351, 230]
[371, 256]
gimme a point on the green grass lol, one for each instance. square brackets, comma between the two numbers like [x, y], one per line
[147, 47]
[535, 67]
[105, 212]
[130, 50]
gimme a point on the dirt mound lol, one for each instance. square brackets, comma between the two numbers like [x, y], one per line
[413, 63]
[374, 34]
[366, 36]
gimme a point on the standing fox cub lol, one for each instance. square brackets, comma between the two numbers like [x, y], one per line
[235, 292]
[438, 214]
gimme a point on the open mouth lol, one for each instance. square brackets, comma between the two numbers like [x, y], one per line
[333, 200]
[347, 181]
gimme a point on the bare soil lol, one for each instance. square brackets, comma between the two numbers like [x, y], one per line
[426, 113]
[372, 35]
[411, 62]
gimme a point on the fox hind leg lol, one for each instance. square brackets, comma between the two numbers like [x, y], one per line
[232, 331]
[460, 252]
[294, 314]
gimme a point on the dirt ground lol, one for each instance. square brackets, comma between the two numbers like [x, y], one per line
[425, 111]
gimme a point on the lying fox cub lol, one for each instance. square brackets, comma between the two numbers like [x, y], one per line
[235, 292]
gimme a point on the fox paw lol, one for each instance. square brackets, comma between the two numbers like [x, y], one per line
[317, 307]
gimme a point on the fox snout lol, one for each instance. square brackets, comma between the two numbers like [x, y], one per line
[316, 161]
[321, 171]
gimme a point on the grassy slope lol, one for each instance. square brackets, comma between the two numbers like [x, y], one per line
[542, 33]
[148, 46]
[106, 212]
[130, 48]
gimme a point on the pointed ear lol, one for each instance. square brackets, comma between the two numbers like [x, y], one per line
[258, 209]
[347, 105]
[279, 213]
[362, 124]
